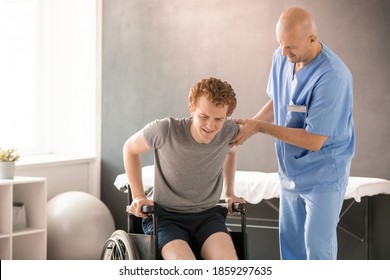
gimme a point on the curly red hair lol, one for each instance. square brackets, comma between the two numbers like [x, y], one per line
[219, 92]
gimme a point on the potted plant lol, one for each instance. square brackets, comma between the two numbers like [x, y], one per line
[7, 162]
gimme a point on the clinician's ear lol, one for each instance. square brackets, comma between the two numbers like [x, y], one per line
[313, 38]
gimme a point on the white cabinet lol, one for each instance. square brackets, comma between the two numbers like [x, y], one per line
[29, 242]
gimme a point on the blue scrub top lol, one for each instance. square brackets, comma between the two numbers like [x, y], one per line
[318, 98]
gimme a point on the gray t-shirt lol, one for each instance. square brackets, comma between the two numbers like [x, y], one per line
[188, 175]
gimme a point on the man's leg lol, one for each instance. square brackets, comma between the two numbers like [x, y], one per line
[177, 250]
[323, 210]
[292, 216]
[219, 246]
[173, 236]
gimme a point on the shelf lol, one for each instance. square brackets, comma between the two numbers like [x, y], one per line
[27, 231]
[29, 242]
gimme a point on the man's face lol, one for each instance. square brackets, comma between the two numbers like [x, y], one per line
[208, 120]
[294, 47]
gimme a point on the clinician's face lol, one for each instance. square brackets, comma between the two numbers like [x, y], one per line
[294, 47]
[207, 120]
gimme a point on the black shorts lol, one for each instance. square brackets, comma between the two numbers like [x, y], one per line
[194, 228]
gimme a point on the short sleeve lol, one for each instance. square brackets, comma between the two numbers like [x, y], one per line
[156, 132]
[330, 107]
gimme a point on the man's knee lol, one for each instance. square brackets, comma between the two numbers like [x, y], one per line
[219, 246]
[177, 250]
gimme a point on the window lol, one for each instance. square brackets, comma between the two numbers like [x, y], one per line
[48, 76]
[20, 113]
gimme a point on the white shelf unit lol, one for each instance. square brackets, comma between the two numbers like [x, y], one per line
[30, 242]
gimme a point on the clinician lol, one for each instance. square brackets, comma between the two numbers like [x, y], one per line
[310, 115]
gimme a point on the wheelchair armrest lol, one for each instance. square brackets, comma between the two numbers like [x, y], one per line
[239, 207]
[146, 209]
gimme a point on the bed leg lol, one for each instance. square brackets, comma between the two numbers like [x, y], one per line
[367, 228]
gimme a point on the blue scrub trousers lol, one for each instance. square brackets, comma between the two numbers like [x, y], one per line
[308, 224]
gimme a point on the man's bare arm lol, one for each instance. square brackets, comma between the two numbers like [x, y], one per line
[132, 149]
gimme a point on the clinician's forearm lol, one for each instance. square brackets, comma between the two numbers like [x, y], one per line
[294, 136]
[266, 113]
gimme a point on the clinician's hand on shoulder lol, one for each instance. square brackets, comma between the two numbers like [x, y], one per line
[136, 205]
[248, 127]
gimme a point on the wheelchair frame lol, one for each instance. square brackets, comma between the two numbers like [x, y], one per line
[128, 245]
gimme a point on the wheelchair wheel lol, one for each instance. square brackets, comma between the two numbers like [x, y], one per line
[119, 247]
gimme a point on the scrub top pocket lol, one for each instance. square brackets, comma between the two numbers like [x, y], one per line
[315, 169]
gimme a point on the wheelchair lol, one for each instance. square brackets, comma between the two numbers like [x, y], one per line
[135, 245]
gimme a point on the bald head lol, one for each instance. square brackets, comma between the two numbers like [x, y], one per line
[296, 34]
[297, 22]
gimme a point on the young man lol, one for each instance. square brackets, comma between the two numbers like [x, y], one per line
[193, 161]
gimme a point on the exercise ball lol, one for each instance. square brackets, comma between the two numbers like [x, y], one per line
[78, 224]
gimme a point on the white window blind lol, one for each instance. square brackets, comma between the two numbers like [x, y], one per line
[20, 111]
[48, 80]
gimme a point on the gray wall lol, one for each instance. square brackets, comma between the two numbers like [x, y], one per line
[153, 51]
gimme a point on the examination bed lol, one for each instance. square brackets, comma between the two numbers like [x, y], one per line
[261, 187]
